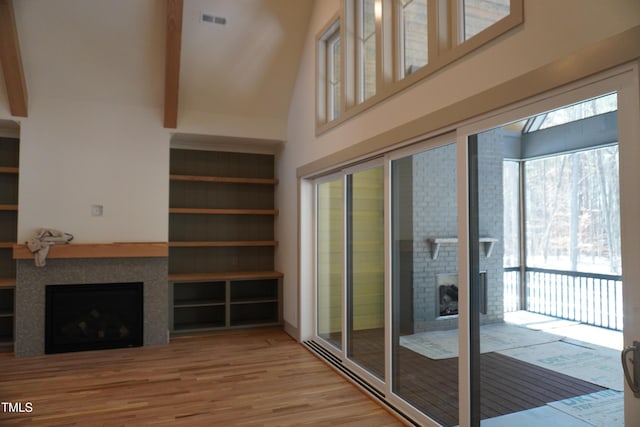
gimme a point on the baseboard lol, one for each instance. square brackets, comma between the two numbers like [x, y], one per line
[292, 330]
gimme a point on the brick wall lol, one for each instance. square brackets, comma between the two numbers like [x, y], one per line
[435, 216]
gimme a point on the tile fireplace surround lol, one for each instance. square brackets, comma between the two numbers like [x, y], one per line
[116, 264]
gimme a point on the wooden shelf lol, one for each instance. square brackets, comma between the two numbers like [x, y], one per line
[197, 303]
[7, 282]
[98, 250]
[240, 301]
[253, 323]
[224, 180]
[240, 243]
[9, 208]
[197, 328]
[6, 245]
[232, 275]
[9, 170]
[202, 211]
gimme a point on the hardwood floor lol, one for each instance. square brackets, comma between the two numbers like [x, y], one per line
[248, 378]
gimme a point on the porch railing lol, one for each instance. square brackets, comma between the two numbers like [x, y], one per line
[594, 299]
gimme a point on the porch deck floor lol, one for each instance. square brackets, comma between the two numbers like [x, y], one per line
[508, 385]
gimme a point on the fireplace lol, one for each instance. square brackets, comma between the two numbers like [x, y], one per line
[447, 295]
[93, 316]
[148, 272]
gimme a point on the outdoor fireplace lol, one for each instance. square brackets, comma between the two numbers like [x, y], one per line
[448, 294]
[93, 316]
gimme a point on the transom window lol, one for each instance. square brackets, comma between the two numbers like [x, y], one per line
[481, 14]
[366, 49]
[386, 45]
[413, 32]
[330, 74]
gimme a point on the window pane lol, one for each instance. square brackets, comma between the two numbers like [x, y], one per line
[366, 269]
[572, 212]
[367, 38]
[414, 35]
[425, 282]
[334, 76]
[481, 14]
[329, 261]
[589, 108]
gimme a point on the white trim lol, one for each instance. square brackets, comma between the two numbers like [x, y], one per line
[423, 144]
[629, 158]
[569, 94]
[306, 260]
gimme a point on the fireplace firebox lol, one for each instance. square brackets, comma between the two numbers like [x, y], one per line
[447, 295]
[93, 317]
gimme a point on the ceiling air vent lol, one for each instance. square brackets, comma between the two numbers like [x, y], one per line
[212, 19]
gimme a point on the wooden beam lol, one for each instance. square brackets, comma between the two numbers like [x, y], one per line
[11, 60]
[172, 62]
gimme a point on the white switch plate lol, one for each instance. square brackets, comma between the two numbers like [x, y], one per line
[96, 210]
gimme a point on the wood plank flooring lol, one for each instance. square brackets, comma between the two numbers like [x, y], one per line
[247, 378]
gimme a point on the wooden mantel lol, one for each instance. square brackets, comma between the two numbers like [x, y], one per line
[98, 250]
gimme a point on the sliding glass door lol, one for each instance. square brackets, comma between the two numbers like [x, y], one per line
[425, 281]
[545, 273]
[481, 281]
[350, 265]
[365, 269]
[398, 331]
[329, 260]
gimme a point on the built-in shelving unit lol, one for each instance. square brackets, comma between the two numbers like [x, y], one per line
[221, 241]
[9, 174]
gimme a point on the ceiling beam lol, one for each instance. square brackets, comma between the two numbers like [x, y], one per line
[172, 62]
[11, 60]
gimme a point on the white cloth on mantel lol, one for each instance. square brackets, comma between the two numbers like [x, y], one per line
[45, 237]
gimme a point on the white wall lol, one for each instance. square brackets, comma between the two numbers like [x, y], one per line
[298, 150]
[552, 30]
[94, 133]
[74, 154]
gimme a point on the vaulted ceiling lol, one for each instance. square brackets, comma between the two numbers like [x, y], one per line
[114, 52]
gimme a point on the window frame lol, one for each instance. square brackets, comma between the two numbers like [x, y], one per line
[328, 36]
